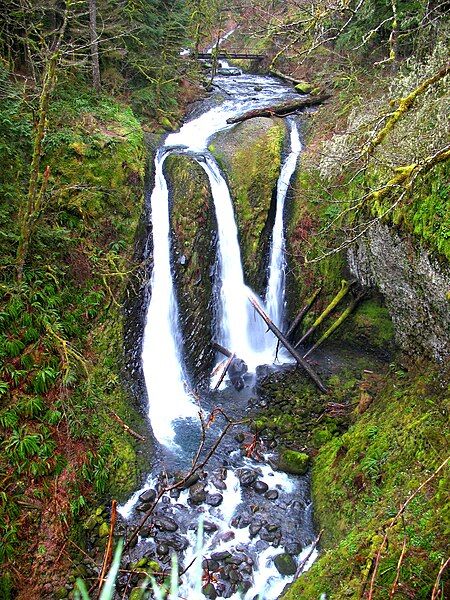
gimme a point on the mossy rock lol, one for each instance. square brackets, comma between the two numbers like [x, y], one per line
[291, 461]
[303, 87]
[285, 564]
[137, 593]
[194, 233]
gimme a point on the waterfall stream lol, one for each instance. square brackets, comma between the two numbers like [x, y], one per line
[233, 531]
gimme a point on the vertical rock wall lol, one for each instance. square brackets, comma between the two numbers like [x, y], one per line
[415, 286]
[194, 244]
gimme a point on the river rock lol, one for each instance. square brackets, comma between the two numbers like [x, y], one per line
[219, 484]
[285, 564]
[197, 493]
[162, 549]
[165, 523]
[209, 527]
[218, 556]
[214, 499]
[247, 477]
[255, 528]
[293, 548]
[260, 487]
[209, 591]
[271, 495]
[148, 496]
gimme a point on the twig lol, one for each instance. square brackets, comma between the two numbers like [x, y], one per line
[109, 547]
[127, 428]
[393, 522]
[301, 565]
[444, 565]
[224, 372]
[399, 564]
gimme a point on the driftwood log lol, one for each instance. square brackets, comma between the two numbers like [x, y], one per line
[282, 109]
[299, 318]
[305, 366]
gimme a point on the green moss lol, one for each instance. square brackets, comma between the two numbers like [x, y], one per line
[370, 326]
[293, 462]
[362, 477]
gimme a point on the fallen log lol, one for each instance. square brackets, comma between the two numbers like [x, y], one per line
[221, 349]
[350, 308]
[345, 287]
[224, 371]
[281, 110]
[305, 366]
[299, 318]
[283, 76]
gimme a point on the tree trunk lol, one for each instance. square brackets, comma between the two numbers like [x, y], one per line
[345, 286]
[281, 110]
[309, 370]
[94, 44]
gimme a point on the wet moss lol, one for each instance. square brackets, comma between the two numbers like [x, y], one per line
[194, 238]
[360, 479]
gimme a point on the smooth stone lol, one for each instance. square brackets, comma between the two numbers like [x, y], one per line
[165, 524]
[271, 495]
[162, 549]
[214, 499]
[218, 556]
[234, 576]
[219, 484]
[254, 529]
[148, 496]
[247, 477]
[209, 527]
[197, 494]
[260, 487]
[293, 548]
[285, 564]
[191, 481]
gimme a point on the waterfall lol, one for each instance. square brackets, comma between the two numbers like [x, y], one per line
[275, 296]
[161, 358]
[239, 331]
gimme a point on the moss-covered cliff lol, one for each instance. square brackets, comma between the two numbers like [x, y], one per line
[250, 154]
[194, 235]
[361, 480]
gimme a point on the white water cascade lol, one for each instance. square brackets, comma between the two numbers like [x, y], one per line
[277, 265]
[169, 398]
[162, 363]
[239, 331]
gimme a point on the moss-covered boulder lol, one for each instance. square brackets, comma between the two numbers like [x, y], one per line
[303, 87]
[285, 564]
[193, 224]
[291, 461]
[250, 154]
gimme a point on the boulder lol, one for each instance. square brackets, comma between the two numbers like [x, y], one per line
[285, 564]
[291, 461]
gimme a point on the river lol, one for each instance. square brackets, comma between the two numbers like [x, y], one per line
[251, 513]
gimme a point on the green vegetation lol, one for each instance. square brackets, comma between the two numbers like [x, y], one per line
[362, 478]
[251, 158]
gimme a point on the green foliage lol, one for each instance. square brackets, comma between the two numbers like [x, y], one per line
[368, 472]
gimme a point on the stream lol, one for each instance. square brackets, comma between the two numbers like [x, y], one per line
[250, 512]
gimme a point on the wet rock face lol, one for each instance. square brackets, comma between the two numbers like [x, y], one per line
[193, 225]
[414, 284]
[250, 154]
